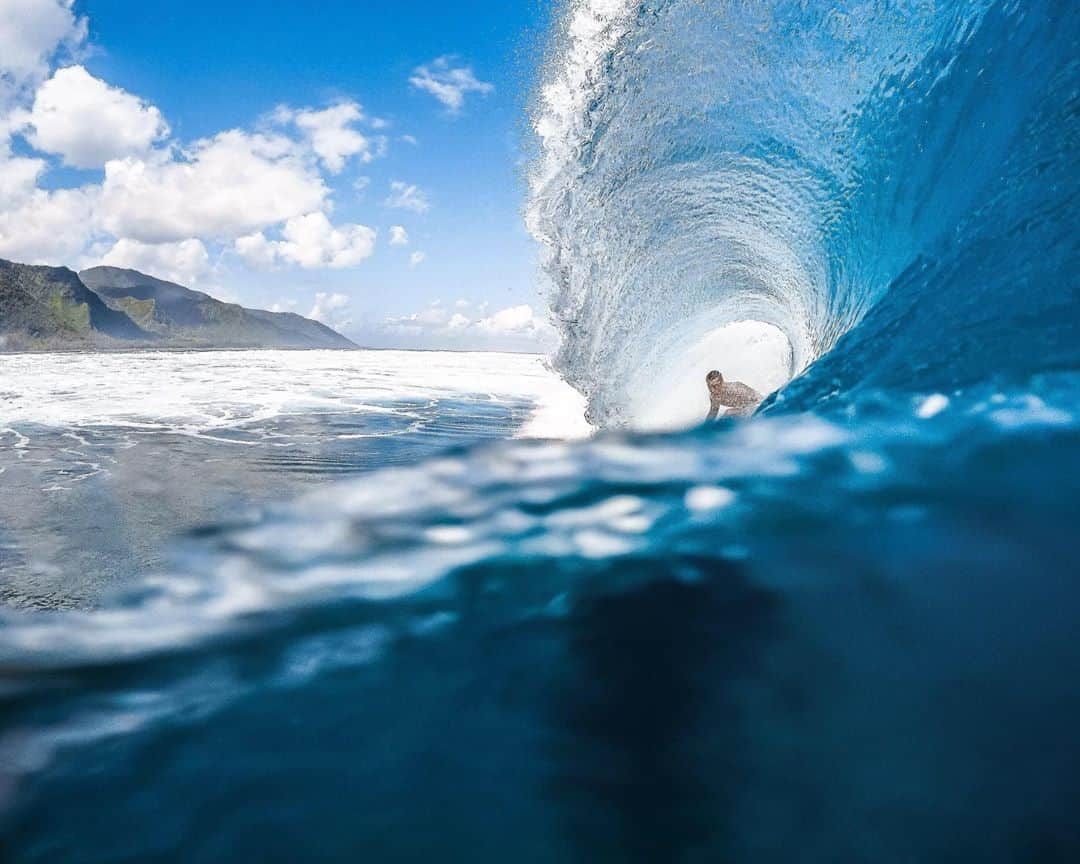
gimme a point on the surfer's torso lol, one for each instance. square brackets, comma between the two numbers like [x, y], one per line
[738, 398]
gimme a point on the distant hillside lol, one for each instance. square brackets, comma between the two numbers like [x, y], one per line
[50, 306]
[183, 316]
[44, 308]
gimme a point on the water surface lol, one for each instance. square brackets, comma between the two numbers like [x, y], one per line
[106, 459]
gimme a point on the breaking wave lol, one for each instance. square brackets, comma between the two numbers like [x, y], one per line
[899, 173]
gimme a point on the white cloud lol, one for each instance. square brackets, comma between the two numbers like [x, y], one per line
[182, 262]
[163, 205]
[86, 122]
[331, 309]
[216, 189]
[330, 302]
[284, 306]
[432, 318]
[48, 227]
[310, 241]
[18, 178]
[399, 236]
[221, 187]
[513, 328]
[39, 226]
[331, 134]
[257, 250]
[31, 32]
[448, 82]
[406, 196]
[518, 321]
[417, 258]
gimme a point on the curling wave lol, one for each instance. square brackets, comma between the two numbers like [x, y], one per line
[806, 165]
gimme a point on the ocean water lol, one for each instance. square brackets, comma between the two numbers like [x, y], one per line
[845, 630]
[106, 459]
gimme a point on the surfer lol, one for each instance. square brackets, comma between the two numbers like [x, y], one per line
[738, 398]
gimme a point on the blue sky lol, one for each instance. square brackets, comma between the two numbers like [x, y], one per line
[272, 154]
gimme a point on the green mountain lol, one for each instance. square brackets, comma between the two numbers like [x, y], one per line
[191, 318]
[43, 308]
[51, 307]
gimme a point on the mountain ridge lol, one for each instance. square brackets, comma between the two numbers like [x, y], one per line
[103, 308]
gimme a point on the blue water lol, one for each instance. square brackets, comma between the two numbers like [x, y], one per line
[842, 631]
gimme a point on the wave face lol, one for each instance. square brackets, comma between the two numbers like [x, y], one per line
[893, 185]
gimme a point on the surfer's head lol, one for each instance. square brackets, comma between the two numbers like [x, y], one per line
[715, 381]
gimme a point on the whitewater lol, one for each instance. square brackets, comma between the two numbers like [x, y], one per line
[841, 631]
[107, 458]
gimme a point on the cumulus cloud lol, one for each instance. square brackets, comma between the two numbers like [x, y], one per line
[160, 204]
[221, 187]
[331, 309]
[399, 236]
[31, 32]
[406, 196]
[332, 135]
[310, 241]
[417, 258]
[87, 122]
[449, 82]
[433, 318]
[18, 178]
[466, 325]
[184, 262]
[47, 227]
[39, 226]
[517, 321]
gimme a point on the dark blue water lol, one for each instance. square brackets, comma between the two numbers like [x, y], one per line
[843, 631]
